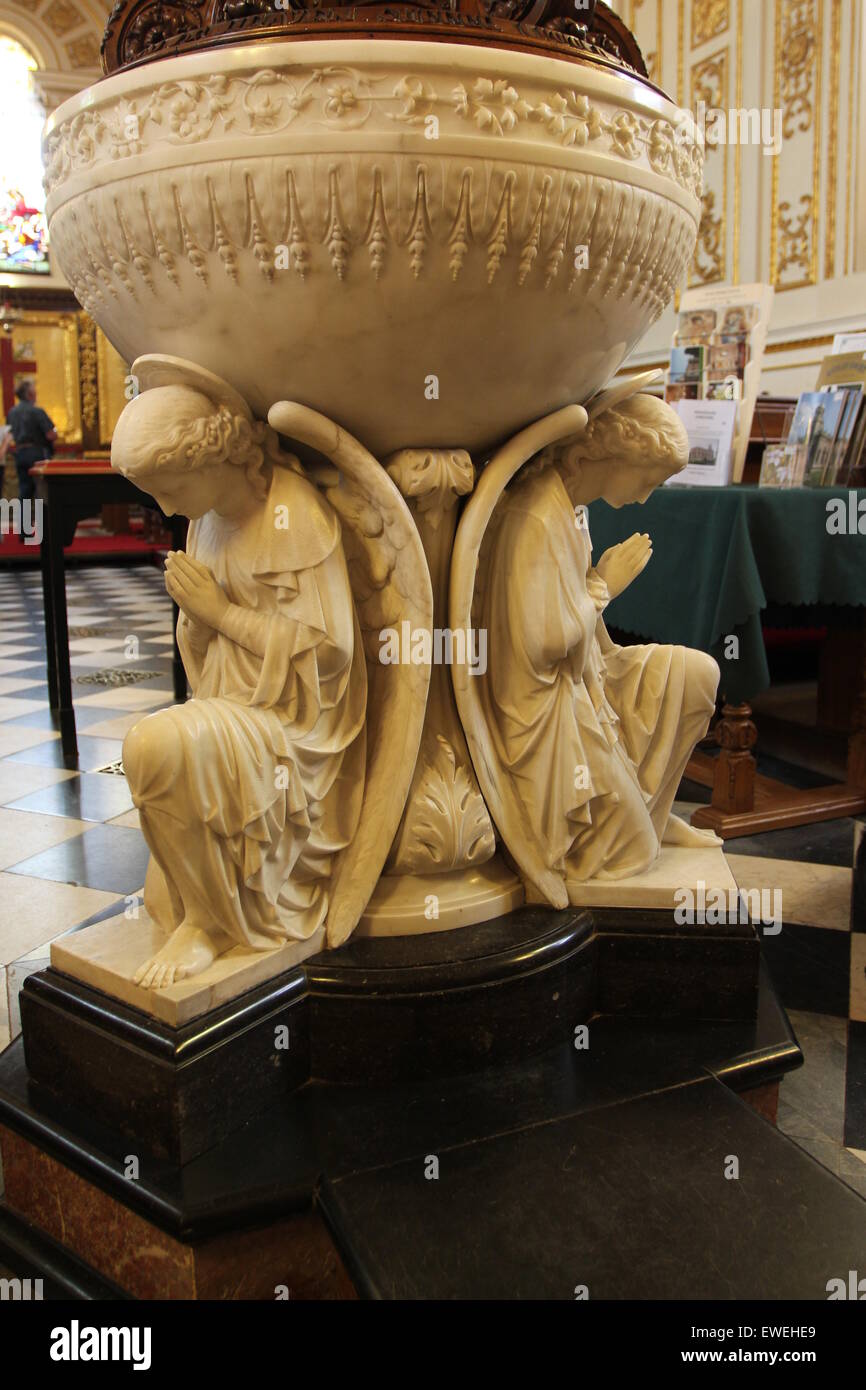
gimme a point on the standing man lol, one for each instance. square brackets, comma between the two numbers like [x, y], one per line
[34, 435]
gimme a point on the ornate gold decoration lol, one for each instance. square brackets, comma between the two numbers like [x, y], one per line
[52, 339]
[738, 149]
[111, 376]
[710, 85]
[709, 262]
[62, 17]
[83, 52]
[709, 19]
[681, 44]
[88, 370]
[798, 42]
[794, 235]
[853, 102]
[797, 91]
[832, 191]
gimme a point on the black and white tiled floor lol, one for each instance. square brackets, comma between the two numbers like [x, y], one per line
[70, 846]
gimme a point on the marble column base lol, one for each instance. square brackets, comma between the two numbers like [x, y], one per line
[413, 904]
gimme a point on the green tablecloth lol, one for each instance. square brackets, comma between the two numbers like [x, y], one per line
[720, 556]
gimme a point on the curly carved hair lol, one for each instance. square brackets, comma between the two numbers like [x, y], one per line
[218, 438]
[641, 431]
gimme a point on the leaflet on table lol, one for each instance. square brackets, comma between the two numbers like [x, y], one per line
[710, 426]
[717, 352]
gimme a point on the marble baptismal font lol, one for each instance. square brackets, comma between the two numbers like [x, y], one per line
[374, 268]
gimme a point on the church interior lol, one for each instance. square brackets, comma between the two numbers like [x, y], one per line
[433, 655]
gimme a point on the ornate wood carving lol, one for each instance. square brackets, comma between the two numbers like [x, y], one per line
[140, 30]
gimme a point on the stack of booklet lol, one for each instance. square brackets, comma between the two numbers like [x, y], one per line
[826, 443]
[714, 375]
[711, 351]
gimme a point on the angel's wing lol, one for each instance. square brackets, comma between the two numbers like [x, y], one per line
[494, 779]
[391, 584]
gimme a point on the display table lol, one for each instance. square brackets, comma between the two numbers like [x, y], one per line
[72, 489]
[721, 556]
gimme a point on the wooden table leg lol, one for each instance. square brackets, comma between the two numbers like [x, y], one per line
[56, 603]
[734, 775]
[745, 803]
[48, 605]
[856, 768]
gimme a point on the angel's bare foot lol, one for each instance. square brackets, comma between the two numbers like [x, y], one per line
[679, 832]
[189, 950]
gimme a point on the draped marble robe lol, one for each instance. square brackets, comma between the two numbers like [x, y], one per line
[262, 777]
[594, 736]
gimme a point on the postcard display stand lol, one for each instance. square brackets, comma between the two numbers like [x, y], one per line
[743, 308]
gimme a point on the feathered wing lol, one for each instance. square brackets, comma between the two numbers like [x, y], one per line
[466, 598]
[391, 584]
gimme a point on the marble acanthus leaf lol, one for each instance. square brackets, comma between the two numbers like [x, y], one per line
[270, 801]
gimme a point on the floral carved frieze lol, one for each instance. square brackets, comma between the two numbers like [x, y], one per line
[270, 101]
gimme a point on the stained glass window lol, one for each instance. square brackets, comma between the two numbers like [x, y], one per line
[23, 229]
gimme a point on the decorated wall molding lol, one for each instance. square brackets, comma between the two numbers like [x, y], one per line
[796, 220]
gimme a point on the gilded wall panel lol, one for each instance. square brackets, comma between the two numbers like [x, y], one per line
[796, 203]
[710, 84]
[51, 341]
[710, 18]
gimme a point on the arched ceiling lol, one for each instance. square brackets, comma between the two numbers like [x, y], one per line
[64, 38]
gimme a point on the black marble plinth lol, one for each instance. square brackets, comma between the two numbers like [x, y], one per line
[173, 1091]
[374, 1013]
[603, 1167]
[275, 1163]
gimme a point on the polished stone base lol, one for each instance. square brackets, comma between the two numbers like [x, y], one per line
[376, 1012]
[439, 1126]
[602, 1166]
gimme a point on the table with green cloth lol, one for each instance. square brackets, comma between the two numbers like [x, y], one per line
[724, 555]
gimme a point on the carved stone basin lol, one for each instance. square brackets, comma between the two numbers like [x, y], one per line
[433, 243]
